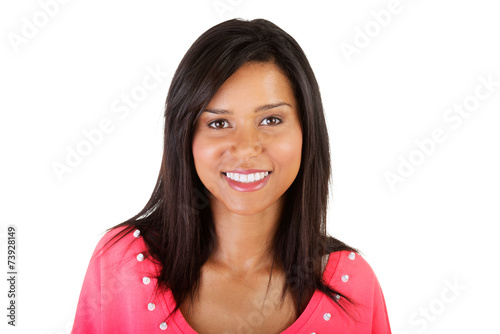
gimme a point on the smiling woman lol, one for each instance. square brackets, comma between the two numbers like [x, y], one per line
[233, 239]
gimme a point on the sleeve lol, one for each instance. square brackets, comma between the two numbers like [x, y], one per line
[380, 321]
[89, 312]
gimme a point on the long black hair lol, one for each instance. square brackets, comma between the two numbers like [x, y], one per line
[176, 223]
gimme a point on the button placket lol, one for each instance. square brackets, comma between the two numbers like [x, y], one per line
[146, 280]
[351, 257]
[137, 233]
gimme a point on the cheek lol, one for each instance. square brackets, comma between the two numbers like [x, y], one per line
[199, 153]
[204, 154]
[289, 153]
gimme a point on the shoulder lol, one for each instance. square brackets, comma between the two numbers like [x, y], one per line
[345, 266]
[357, 306]
[119, 287]
[351, 275]
[119, 234]
[118, 242]
[118, 255]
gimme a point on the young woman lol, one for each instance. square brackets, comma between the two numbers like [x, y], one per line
[233, 239]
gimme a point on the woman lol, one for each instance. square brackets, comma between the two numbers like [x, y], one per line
[233, 239]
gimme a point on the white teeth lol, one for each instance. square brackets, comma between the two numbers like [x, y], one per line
[247, 178]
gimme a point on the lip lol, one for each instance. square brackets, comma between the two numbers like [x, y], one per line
[246, 187]
[247, 171]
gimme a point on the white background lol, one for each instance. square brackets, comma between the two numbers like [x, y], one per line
[438, 226]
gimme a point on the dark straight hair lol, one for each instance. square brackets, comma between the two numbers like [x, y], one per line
[176, 223]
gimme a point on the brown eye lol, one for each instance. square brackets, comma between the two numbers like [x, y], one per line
[219, 124]
[271, 121]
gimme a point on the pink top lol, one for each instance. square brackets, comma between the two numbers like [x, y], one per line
[118, 296]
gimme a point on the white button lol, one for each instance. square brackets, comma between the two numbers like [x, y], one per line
[327, 316]
[337, 297]
[151, 306]
[352, 256]
[345, 278]
[140, 257]
[146, 280]
[137, 233]
[163, 326]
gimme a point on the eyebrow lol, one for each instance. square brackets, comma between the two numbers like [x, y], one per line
[258, 109]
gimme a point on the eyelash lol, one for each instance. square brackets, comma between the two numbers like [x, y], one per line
[210, 125]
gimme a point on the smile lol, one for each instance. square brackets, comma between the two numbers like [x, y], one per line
[246, 178]
[247, 182]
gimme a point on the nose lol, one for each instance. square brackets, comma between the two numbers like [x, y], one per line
[246, 143]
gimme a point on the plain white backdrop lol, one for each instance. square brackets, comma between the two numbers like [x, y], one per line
[406, 95]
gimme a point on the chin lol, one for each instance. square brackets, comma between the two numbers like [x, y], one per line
[245, 207]
[245, 210]
[252, 207]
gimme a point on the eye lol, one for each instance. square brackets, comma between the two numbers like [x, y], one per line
[219, 124]
[271, 121]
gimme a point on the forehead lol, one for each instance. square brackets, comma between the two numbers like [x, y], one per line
[254, 84]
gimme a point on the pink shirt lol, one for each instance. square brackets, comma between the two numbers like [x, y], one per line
[118, 296]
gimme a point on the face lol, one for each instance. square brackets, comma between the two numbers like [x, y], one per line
[247, 143]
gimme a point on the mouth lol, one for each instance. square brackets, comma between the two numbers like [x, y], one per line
[247, 178]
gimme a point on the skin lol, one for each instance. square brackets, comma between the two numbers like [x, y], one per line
[233, 133]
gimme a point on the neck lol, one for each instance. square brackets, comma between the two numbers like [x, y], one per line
[244, 242]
